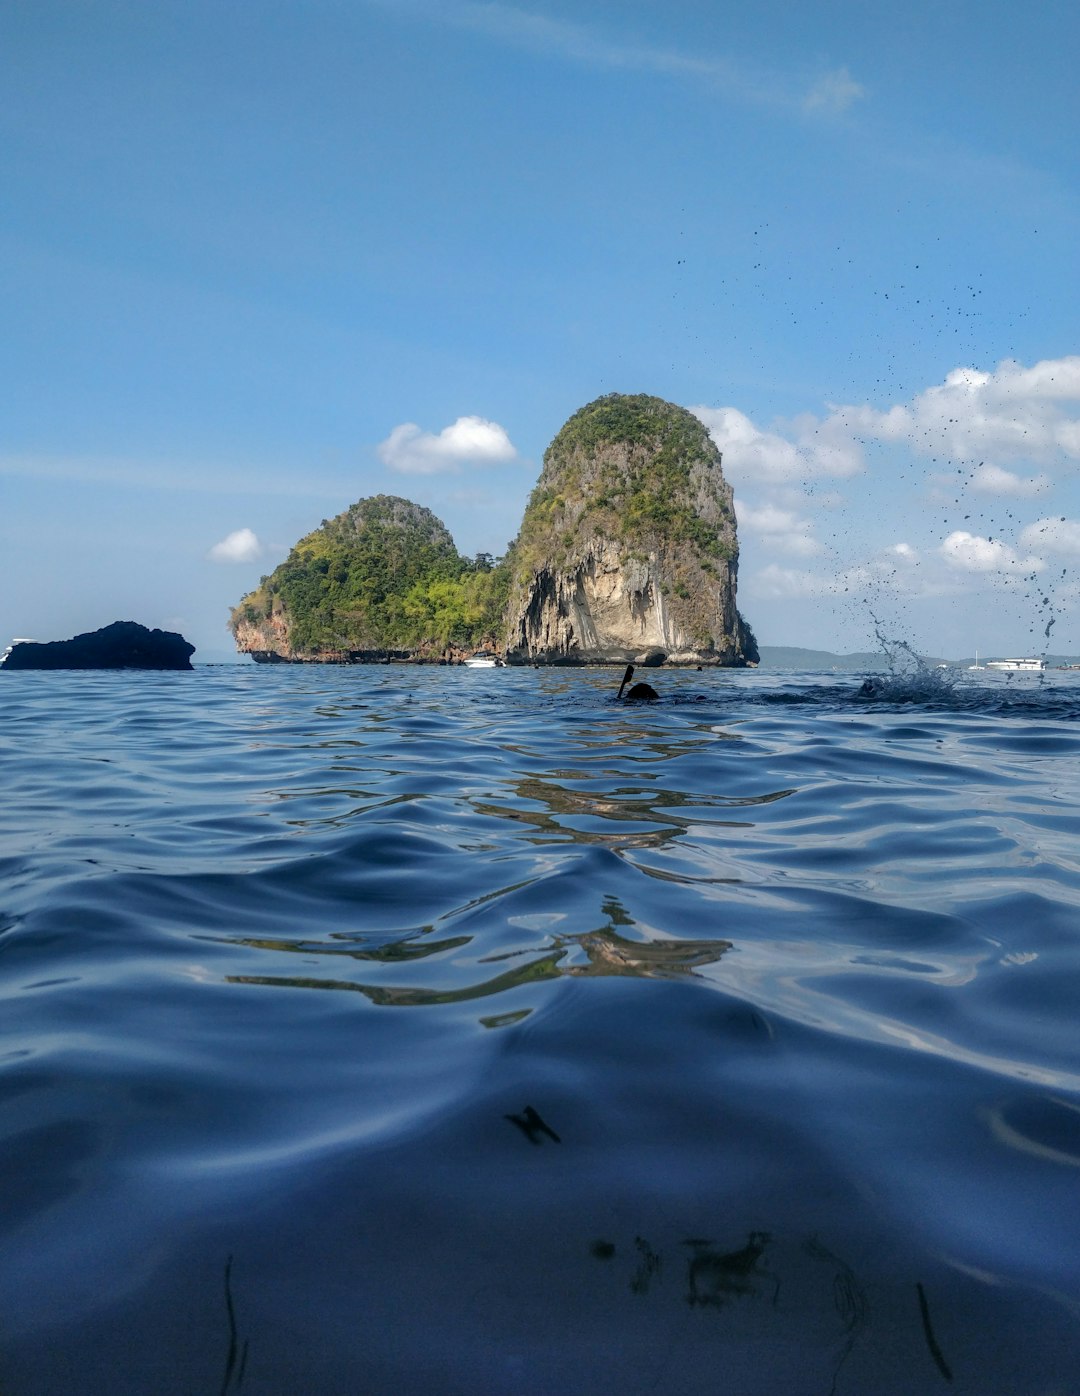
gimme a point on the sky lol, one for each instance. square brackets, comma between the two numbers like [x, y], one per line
[260, 261]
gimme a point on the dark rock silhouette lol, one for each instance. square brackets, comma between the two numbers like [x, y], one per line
[123, 645]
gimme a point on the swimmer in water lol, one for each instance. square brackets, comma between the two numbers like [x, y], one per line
[640, 693]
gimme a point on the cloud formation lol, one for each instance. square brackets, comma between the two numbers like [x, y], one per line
[968, 552]
[1014, 414]
[781, 530]
[1009, 434]
[1053, 536]
[469, 440]
[811, 448]
[773, 582]
[240, 546]
[833, 92]
[992, 479]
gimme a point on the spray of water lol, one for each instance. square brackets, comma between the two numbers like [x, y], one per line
[908, 679]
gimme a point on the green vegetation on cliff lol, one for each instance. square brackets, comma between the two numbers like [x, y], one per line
[383, 575]
[628, 544]
[624, 466]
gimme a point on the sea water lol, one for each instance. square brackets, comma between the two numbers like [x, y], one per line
[417, 1030]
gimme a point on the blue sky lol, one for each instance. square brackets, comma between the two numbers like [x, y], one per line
[260, 261]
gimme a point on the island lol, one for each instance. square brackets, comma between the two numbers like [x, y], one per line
[628, 548]
[382, 581]
[627, 553]
[123, 645]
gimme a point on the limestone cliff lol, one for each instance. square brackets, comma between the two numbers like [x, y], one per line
[628, 549]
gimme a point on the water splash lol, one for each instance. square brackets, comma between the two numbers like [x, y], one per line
[909, 678]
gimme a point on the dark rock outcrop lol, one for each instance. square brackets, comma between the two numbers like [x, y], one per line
[123, 645]
[628, 550]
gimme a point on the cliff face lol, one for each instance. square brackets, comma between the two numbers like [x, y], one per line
[266, 637]
[628, 549]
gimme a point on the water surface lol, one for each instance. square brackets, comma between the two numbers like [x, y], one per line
[419, 1030]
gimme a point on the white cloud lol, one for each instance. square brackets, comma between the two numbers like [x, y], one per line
[472, 440]
[1053, 536]
[752, 454]
[778, 528]
[968, 552]
[748, 452]
[833, 93]
[774, 581]
[240, 546]
[991, 479]
[895, 570]
[1013, 414]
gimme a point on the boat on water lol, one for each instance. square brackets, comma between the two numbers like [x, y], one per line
[1010, 666]
[1017, 666]
[482, 660]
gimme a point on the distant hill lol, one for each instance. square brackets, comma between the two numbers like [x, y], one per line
[794, 657]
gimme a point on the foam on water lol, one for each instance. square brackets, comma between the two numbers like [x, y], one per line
[422, 1030]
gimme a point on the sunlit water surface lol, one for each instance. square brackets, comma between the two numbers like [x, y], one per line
[442, 1031]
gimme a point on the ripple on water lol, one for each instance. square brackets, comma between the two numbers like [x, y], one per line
[740, 1033]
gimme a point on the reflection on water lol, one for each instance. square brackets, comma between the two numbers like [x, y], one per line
[387, 996]
[1047, 1128]
[557, 811]
[606, 953]
[395, 951]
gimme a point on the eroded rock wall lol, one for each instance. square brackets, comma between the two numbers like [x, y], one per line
[628, 550]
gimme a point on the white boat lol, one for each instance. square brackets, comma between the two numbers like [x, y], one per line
[976, 665]
[1017, 666]
[481, 660]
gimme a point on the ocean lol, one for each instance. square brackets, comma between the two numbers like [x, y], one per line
[417, 1030]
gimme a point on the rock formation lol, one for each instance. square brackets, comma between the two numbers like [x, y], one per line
[628, 550]
[123, 645]
[381, 581]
